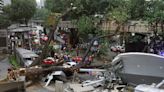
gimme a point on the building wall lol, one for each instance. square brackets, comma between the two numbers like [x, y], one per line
[1, 5]
[131, 26]
[111, 26]
[6, 2]
[3, 39]
[40, 3]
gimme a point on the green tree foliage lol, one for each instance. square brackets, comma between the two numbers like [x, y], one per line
[85, 25]
[84, 7]
[90, 7]
[21, 10]
[4, 21]
[155, 10]
[4, 18]
[119, 11]
[137, 9]
[42, 14]
[84, 14]
[119, 14]
[57, 6]
[6, 10]
[155, 13]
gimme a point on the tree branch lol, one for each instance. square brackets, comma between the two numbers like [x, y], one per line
[50, 37]
[91, 44]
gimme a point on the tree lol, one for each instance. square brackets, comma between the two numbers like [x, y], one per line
[119, 12]
[84, 7]
[41, 14]
[4, 21]
[137, 9]
[84, 14]
[50, 37]
[4, 18]
[85, 25]
[57, 6]
[21, 10]
[91, 7]
[155, 14]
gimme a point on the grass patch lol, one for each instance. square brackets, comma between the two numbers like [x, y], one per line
[14, 62]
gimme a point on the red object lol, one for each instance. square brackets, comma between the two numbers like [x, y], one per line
[78, 59]
[45, 38]
[48, 61]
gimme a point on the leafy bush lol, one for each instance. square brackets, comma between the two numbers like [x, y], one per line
[13, 61]
[103, 49]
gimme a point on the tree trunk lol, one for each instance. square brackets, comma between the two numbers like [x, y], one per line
[34, 73]
[74, 37]
[45, 50]
[46, 47]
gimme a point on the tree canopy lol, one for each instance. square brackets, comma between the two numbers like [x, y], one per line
[137, 9]
[57, 6]
[41, 13]
[21, 10]
[84, 7]
[85, 25]
[87, 9]
[4, 21]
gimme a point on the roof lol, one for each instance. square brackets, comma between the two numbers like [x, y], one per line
[23, 29]
[129, 54]
[26, 53]
[20, 28]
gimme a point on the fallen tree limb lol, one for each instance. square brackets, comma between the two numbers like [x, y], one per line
[91, 44]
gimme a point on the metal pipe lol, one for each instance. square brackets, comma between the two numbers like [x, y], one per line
[160, 84]
[92, 82]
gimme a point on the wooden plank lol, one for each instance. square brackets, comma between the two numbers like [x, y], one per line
[12, 87]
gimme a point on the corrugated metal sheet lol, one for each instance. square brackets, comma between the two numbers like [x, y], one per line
[26, 53]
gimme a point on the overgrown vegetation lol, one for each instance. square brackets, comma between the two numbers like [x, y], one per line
[13, 61]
